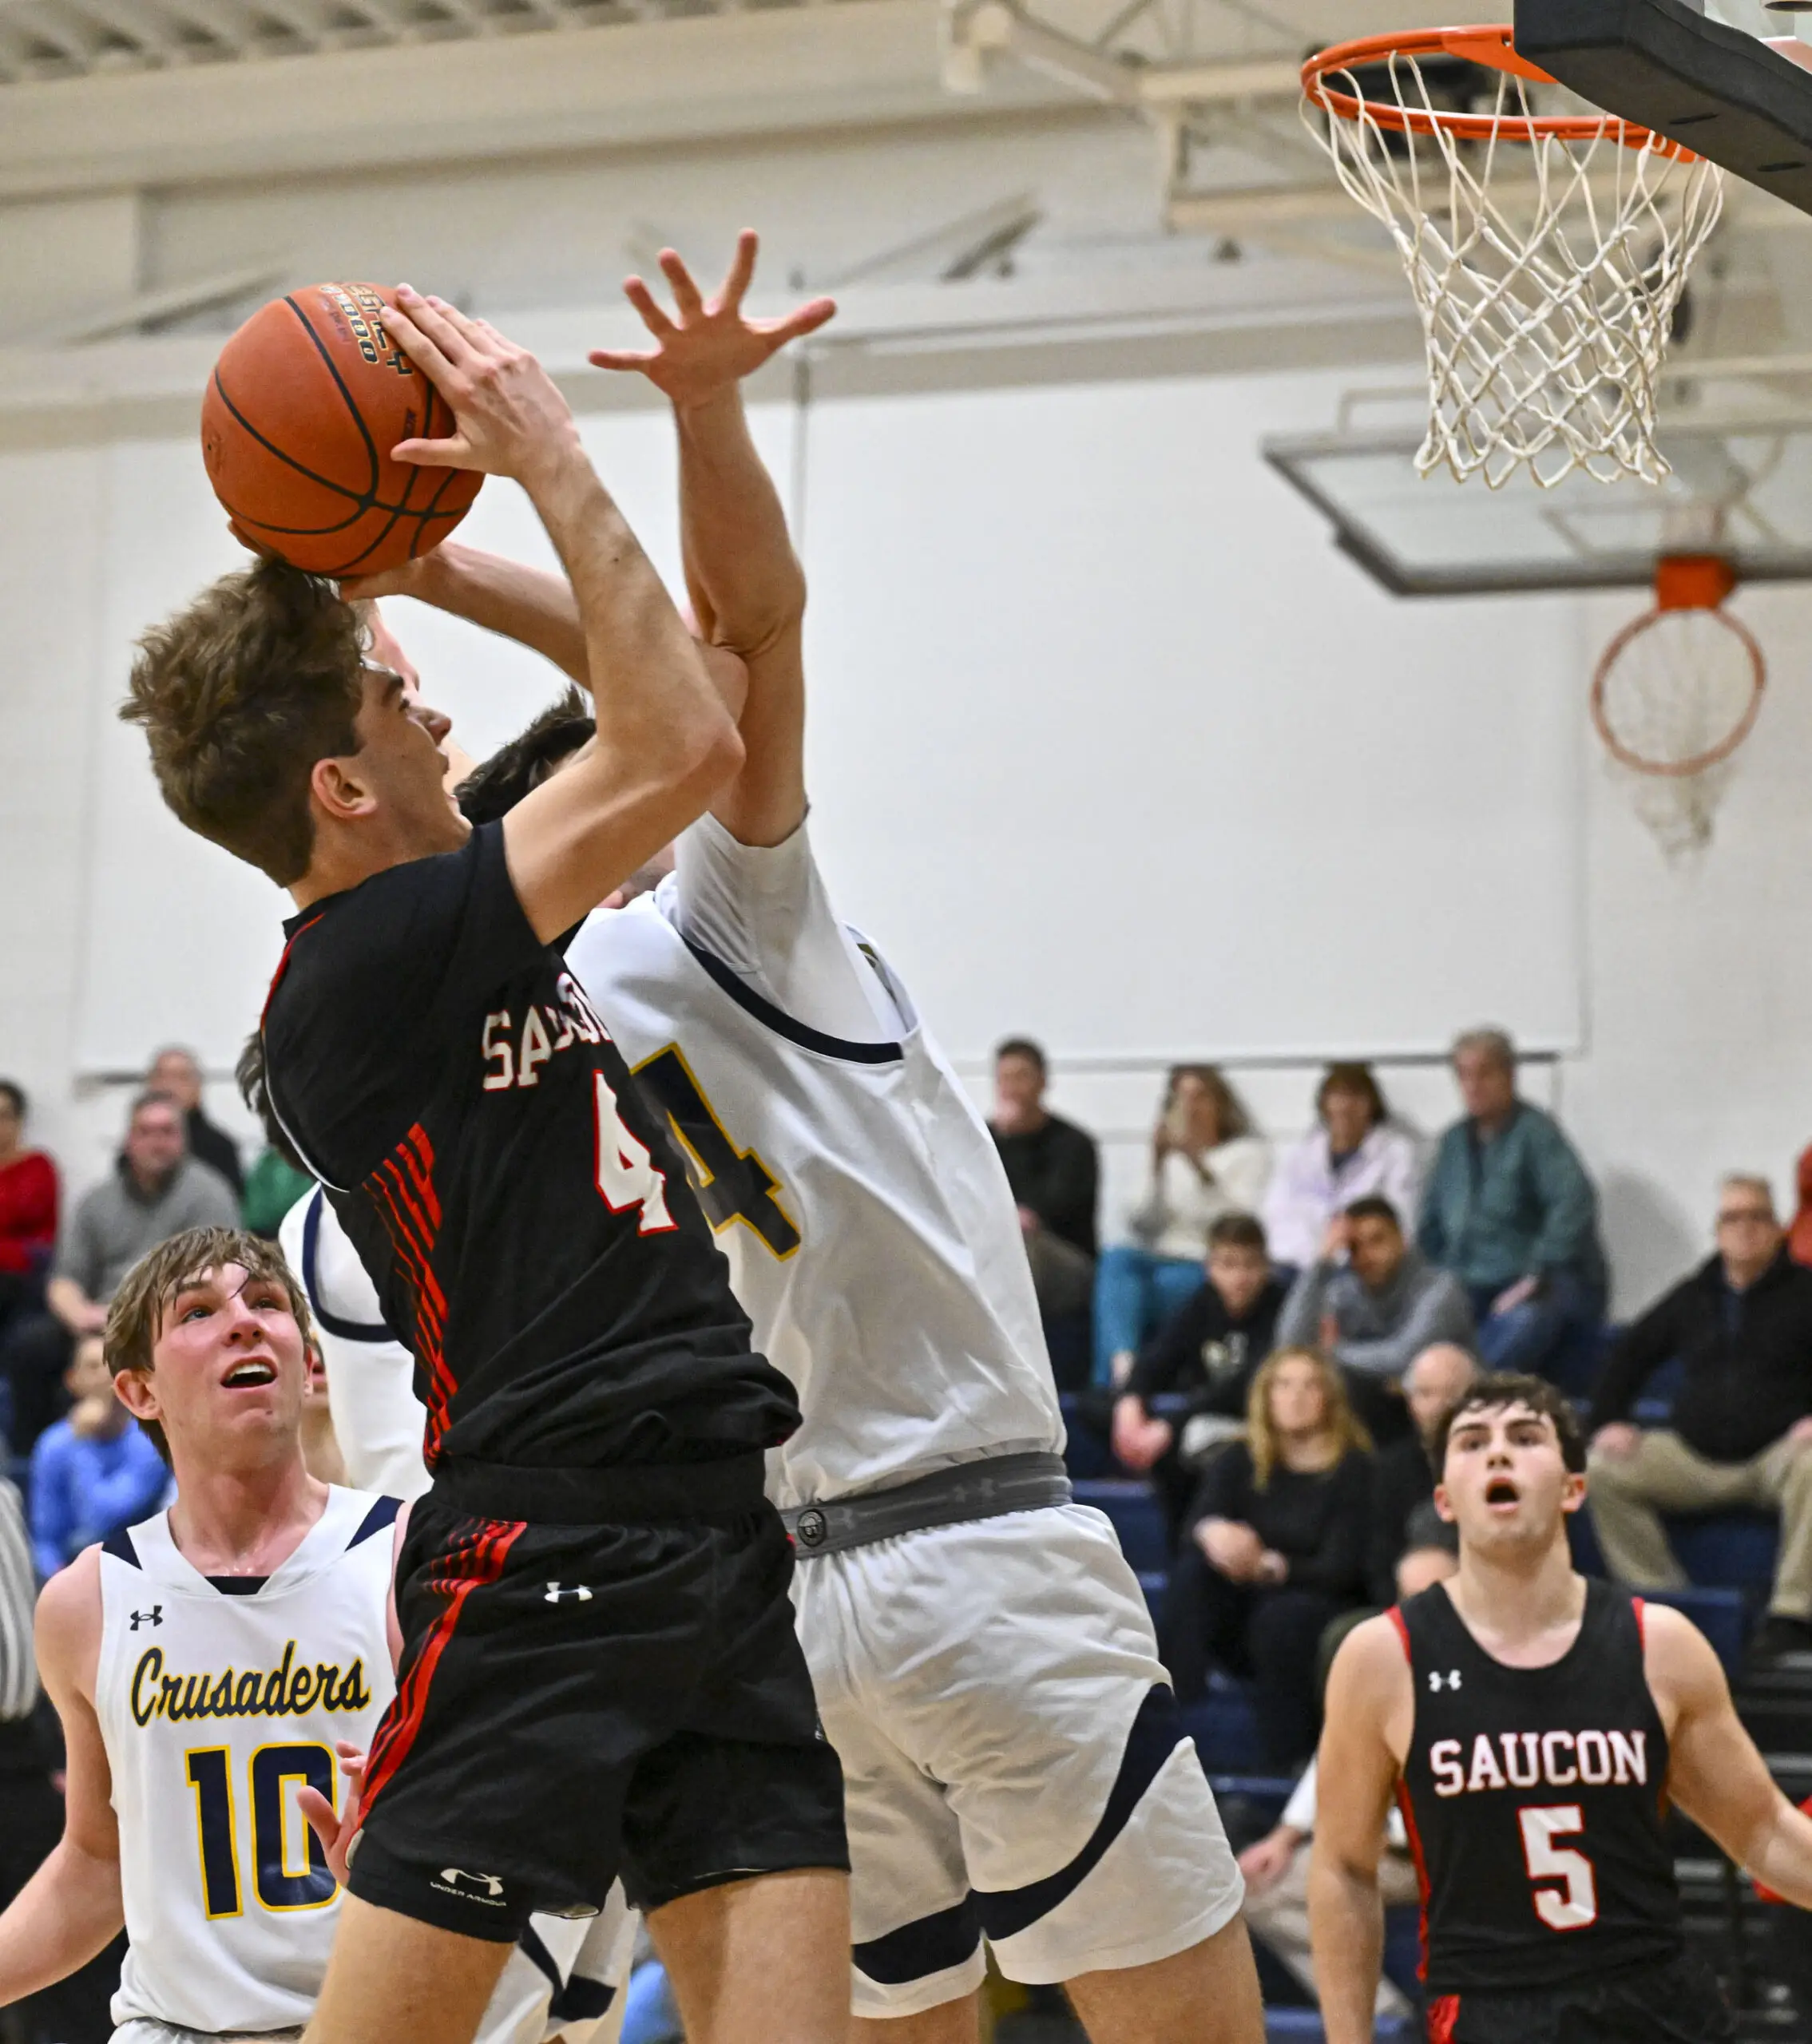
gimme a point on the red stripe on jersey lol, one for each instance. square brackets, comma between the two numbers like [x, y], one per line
[282, 967]
[464, 1568]
[1637, 1607]
[1409, 1812]
[416, 1145]
[1443, 2018]
[1395, 1615]
[430, 1322]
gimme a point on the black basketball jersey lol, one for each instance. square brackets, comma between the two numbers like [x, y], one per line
[531, 1233]
[1534, 1799]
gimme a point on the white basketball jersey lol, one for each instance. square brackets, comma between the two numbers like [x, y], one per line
[216, 1708]
[872, 1238]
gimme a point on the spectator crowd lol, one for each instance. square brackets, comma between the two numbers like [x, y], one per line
[1270, 1337]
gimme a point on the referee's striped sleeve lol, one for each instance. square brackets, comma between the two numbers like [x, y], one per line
[19, 1593]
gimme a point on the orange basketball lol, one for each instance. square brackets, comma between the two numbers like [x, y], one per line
[305, 403]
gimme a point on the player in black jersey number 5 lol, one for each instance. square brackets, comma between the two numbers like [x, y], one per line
[599, 1673]
[1533, 1726]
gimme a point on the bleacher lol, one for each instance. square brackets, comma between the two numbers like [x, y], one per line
[1729, 1555]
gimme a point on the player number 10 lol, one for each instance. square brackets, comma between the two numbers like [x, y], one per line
[1578, 1906]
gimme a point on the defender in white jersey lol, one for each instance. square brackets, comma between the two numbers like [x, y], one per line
[219, 1668]
[985, 1667]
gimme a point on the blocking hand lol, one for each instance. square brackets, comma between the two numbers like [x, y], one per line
[707, 345]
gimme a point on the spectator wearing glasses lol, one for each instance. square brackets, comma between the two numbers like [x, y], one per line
[1740, 1432]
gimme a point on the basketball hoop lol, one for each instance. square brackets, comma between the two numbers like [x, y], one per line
[1548, 253]
[1677, 692]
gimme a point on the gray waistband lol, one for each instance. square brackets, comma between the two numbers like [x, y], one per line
[971, 1489]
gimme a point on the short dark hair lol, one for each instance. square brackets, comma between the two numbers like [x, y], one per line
[490, 791]
[134, 1318]
[1022, 1047]
[16, 1093]
[1239, 1231]
[1352, 1077]
[1492, 1393]
[250, 1073]
[1374, 1206]
[240, 695]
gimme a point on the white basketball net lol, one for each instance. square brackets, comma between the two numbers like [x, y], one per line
[1675, 697]
[1547, 271]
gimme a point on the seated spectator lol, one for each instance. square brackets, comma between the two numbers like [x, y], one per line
[1374, 1303]
[1353, 1151]
[1277, 1867]
[1277, 1550]
[1205, 1163]
[1799, 1233]
[93, 1473]
[1741, 1428]
[1510, 1210]
[156, 1191]
[176, 1073]
[1404, 1519]
[1054, 1170]
[1208, 1351]
[28, 1215]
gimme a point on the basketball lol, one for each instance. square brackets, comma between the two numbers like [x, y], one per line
[302, 409]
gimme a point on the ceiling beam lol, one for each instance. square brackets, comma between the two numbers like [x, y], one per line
[769, 70]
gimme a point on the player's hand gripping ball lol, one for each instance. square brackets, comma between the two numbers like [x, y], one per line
[305, 404]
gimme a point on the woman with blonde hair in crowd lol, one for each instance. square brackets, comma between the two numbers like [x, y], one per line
[1352, 1153]
[1206, 1162]
[1277, 1549]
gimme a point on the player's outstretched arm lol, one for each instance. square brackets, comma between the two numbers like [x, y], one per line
[666, 741]
[1715, 1772]
[1368, 1700]
[71, 1907]
[746, 583]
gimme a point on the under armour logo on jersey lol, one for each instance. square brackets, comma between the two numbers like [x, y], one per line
[153, 1617]
[557, 1592]
[491, 1883]
[1437, 1681]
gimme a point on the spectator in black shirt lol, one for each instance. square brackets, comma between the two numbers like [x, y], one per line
[1404, 1519]
[1054, 1170]
[1741, 1429]
[177, 1074]
[1208, 1351]
[1277, 1550]
[1053, 1167]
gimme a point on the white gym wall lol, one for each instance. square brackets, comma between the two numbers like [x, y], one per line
[1108, 744]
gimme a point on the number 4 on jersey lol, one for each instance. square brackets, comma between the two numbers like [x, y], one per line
[731, 1184]
[627, 1175]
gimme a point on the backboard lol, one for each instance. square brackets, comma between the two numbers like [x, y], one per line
[1743, 99]
[1740, 487]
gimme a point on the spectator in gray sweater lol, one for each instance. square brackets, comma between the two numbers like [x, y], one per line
[1374, 1303]
[156, 1191]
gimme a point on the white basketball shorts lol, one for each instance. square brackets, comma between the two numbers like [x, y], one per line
[1014, 1766]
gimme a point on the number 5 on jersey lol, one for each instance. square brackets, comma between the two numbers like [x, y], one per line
[1547, 1862]
[627, 1175]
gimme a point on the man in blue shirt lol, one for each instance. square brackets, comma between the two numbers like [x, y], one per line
[1510, 1210]
[94, 1472]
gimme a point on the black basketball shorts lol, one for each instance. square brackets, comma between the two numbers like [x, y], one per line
[578, 1700]
[1676, 2002]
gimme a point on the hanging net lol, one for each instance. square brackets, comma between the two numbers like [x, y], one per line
[1547, 252]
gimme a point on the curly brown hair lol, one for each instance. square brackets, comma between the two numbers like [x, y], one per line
[135, 1318]
[239, 694]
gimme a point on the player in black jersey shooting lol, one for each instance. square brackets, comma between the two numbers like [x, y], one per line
[1533, 1726]
[599, 1672]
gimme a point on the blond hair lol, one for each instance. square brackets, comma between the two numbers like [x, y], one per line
[1337, 1416]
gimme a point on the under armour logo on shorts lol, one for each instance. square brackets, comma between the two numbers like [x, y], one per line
[811, 1528]
[153, 1617]
[1437, 1681]
[491, 1883]
[557, 1592]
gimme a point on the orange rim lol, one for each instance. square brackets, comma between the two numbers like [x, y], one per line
[1491, 45]
[1695, 567]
